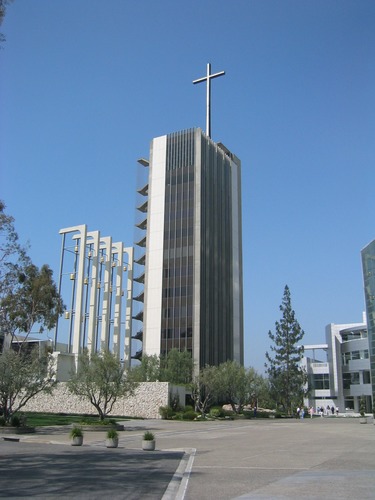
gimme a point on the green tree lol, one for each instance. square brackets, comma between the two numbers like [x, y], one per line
[101, 379]
[235, 385]
[13, 259]
[34, 301]
[23, 376]
[3, 4]
[148, 370]
[177, 367]
[287, 379]
[203, 388]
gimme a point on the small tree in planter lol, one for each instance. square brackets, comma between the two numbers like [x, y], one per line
[77, 436]
[112, 439]
[148, 442]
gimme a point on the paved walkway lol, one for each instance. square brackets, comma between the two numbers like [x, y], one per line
[246, 459]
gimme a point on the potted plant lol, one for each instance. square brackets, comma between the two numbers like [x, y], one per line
[77, 436]
[148, 442]
[112, 438]
[362, 408]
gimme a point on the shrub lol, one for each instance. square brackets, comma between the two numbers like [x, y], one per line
[76, 432]
[177, 416]
[189, 415]
[2, 421]
[216, 412]
[15, 421]
[112, 434]
[166, 412]
[148, 436]
[248, 414]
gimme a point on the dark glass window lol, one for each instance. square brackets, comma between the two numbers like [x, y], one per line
[321, 381]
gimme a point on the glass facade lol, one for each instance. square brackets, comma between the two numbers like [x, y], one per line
[193, 284]
[177, 288]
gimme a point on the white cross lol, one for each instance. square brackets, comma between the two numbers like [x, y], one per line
[208, 79]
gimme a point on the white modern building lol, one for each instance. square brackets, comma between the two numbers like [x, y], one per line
[339, 370]
[189, 256]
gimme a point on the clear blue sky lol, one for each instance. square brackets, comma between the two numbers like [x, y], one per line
[86, 84]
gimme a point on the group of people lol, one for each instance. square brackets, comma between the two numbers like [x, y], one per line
[330, 410]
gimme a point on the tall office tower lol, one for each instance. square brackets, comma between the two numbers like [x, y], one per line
[368, 266]
[193, 250]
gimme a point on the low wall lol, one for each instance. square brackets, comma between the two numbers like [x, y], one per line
[145, 403]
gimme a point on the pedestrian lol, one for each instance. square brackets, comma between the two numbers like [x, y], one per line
[333, 410]
[298, 411]
[311, 411]
[321, 411]
[302, 413]
[328, 410]
[337, 411]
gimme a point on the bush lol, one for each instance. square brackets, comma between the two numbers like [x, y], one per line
[76, 432]
[2, 421]
[166, 412]
[15, 421]
[216, 413]
[189, 415]
[148, 436]
[248, 414]
[112, 434]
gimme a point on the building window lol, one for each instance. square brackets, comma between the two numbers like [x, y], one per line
[347, 356]
[349, 403]
[366, 377]
[349, 335]
[349, 379]
[321, 381]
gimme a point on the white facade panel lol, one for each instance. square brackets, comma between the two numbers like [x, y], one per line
[154, 255]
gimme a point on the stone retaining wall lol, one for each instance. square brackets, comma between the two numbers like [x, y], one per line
[145, 403]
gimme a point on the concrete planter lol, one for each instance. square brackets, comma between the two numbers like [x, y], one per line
[362, 420]
[111, 442]
[148, 445]
[77, 441]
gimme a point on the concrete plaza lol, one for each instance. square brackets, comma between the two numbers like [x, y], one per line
[247, 459]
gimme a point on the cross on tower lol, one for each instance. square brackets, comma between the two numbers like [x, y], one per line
[208, 79]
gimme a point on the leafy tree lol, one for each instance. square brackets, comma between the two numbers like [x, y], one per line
[102, 380]
[35, 300]
[235, 385]
[13, 259]
[28, 295]
[22, 376]
[148, 370]
[229, 382]
[286, 377]
[203, 389]
[3, 4]
[177, 367]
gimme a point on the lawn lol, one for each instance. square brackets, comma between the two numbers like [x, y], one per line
[40, 419]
